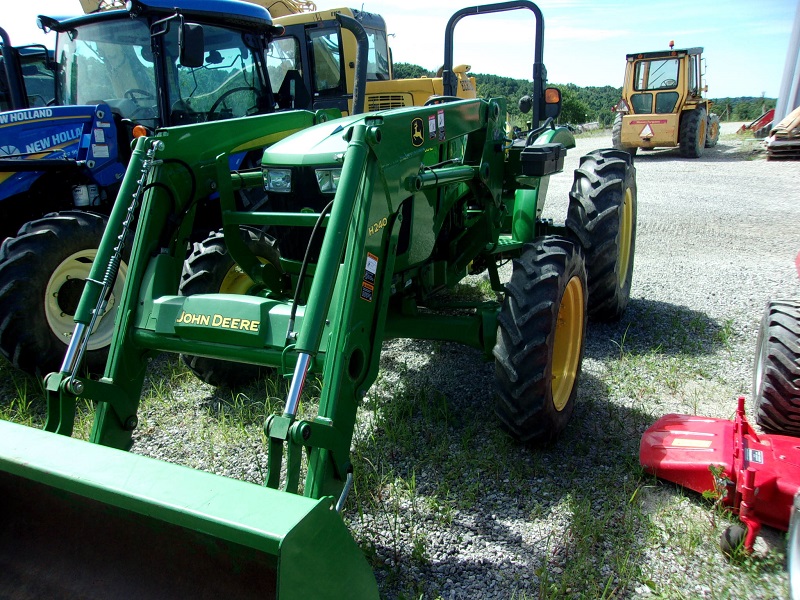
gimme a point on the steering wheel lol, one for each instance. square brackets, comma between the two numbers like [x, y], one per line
[668, 83]
[222, 98]
[136, 94]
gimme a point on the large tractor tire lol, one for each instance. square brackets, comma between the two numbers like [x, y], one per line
[712, 131]
[616, 136]
[42, 275]
[209, 269]
[693, 133]
[602, 216]
[540, 339]
[776, 374]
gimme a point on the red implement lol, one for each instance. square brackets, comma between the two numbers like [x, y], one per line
[760, 474]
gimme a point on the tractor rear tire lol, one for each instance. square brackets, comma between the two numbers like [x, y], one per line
[616, 136]
[776, 374]
[602, 216]
[540, 339]
[210, 269]
[712, 132]
[42, 275]
[693, 133]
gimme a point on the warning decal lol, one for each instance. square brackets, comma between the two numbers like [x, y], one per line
[370, 268]
[366, 291]
[647, 131]
[754, 456]
[368, 284]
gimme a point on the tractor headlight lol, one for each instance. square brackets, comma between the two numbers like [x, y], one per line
[328, 180]
[277, 180]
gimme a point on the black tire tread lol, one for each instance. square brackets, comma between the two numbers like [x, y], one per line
[691, 144]
[616, 136]
[777, 395]
[594, 217]
[523, 352]
[27, 262]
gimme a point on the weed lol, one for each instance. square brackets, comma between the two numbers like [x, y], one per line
[725, 333]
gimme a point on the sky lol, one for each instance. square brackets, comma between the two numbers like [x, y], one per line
[745, 41]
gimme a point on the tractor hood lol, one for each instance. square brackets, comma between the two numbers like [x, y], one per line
[321, 144]
[325, 143]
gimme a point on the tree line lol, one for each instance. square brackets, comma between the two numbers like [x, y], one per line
[585, 104]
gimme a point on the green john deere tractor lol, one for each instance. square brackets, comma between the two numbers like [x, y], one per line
[369, 217]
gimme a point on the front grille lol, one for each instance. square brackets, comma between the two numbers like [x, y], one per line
[385, 101]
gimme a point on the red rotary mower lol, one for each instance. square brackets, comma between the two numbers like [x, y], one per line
[758, 475]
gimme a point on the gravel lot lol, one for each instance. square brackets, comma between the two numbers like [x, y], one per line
[464, 513]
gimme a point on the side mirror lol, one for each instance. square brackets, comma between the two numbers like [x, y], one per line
[552, 103]
[192, 46]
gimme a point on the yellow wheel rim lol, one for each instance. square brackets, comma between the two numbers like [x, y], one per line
[237, 281]
[701, 134]
[625, 238]
[568, 341]
[63, 293]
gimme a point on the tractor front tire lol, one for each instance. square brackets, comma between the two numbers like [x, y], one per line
[42, 275]
[776, 373]
[210, 269]
[693, 133]
[616, 136]
[540, 338]
[602, 216]
[712, 131]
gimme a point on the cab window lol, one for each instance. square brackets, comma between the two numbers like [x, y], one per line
[327, 58]
[656, 74]
[283, 56]
[378, 57]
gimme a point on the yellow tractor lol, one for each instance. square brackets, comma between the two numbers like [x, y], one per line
[662, 104]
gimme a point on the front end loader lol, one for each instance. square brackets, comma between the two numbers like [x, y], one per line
[368, 219]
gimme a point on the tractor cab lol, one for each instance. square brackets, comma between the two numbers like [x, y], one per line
[661, 80]
[165, 66]
[26, 76]
[319, 40]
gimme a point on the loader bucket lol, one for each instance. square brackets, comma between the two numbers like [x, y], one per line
[85, 521]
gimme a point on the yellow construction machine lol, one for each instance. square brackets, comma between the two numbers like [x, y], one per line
[662, 104]
[316, 38]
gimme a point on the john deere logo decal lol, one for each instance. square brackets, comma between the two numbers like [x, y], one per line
[417, 139]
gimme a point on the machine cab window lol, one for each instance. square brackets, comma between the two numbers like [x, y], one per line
[283, 56]
[656, 74]
[109, 62]
[327, 60]
[227, 85]
[378, 59]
